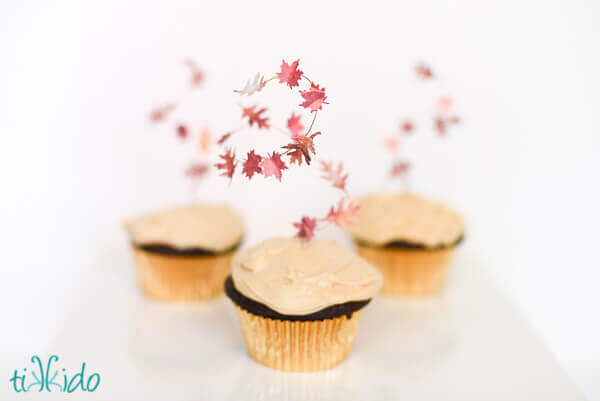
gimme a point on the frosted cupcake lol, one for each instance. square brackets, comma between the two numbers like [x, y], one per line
[409, 238]
[184, 253]
[299, 302]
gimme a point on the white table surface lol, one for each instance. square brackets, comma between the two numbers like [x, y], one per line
[469, 343]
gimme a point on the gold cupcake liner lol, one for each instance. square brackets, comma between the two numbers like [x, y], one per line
[182, 278]
[298, 346]
[409, 271]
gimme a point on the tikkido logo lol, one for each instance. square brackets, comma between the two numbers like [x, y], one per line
[51, 378]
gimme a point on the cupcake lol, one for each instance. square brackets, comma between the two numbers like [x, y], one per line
[299, 302]
[184, 253]
[409, 238]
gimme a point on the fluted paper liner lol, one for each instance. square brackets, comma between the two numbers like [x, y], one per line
[298, 346]
[409, 271]
[182, 278]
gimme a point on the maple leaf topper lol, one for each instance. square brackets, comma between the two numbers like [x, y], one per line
[444, 117]
[300, 148]
[314, 98]
[295, 126]
[289, 74]
[255, 116]
[228, 163]
[185, 133]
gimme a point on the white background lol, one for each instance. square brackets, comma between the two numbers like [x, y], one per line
[78, 80]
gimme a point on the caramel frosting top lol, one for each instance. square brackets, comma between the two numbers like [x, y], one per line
[212, 227]
[296, 277]
[389, 217]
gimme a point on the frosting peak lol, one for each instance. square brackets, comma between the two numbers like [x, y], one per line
[213, 227]
[295, 277]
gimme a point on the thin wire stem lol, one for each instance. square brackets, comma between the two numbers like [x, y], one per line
[311, 124]
[308, 79]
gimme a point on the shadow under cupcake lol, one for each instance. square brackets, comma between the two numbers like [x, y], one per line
[409, 238]
[299, 302]
[184, 253]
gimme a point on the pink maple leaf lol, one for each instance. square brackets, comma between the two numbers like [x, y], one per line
[205, 140]
[444, 106]
[228, 164]
[306, 228]
[391, 143]
[272, 166]
[336, 176]
[341, 216]
[313, 98]
[197, 74]
[252, 164]
[294, 125]
[161, 112]
[182, 131]
[254, 116]
[423, 71]
[196, 170]
[223, 138]
[399, 169]
[289, 74]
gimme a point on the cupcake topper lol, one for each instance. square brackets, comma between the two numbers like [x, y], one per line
[199, 168]
[444, 117]
[299, 150]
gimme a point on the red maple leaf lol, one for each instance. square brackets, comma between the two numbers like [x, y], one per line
[223, 138]
[342, 216]
[252, 164]
[313, 98]
[197, 74]
[303, 146]
[182, 131]
[407, 126]
[399, 169]
[441, 125]
[294, 124]
[254, 116]
[196, 170]
[336, 176]
[306, 228]
[423, 71]
[161, 112]
[294, 154]
[290, 74]
[228, 165]
[444, 116]
[273, 165]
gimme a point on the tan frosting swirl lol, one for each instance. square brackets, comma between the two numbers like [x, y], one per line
[388, 217]
[213, 227]
[295, 277]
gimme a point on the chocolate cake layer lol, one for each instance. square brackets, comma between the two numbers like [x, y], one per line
[412, 245]
[256, 308]
[169, 250]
